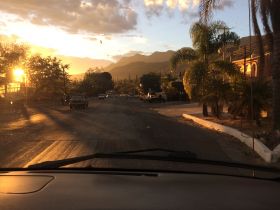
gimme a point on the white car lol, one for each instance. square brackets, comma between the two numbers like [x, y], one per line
[102, 96]
[156, 97]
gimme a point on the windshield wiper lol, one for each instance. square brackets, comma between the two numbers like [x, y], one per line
[170, 156]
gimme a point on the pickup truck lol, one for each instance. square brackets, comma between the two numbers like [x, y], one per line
[78, 101]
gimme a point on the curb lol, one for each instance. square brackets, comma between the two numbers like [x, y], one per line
[263, 151]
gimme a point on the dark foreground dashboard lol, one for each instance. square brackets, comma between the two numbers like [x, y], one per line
[119, 190]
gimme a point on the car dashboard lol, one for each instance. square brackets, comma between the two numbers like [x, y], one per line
[32, 190]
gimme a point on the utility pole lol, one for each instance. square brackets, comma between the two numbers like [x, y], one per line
[245, 57]
[64, 79]
[251, 84]
[224, 40]
[224, 29]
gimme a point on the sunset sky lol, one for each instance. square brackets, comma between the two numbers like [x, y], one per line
[92, 31]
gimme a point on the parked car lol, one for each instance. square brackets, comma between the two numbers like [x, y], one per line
[102, 96]
[143, 97]
[156, 97]
[65, 99]
[78, 101]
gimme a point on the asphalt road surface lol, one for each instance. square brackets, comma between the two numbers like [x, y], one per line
[40, 133]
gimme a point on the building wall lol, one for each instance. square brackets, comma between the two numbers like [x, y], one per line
[253, 64]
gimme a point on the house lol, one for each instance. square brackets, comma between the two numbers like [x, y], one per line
[241, 57]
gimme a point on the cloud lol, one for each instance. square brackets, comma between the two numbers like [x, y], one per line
[92, 16]
[188, 8]
[155, 7]
[223, 4]
[140, 40]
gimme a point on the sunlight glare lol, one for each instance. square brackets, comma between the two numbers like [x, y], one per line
[18, 74]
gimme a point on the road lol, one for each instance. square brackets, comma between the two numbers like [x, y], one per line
[54, 132]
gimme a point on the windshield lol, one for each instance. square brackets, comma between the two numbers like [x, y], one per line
[187, 79]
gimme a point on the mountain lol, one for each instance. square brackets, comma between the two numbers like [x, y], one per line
[155, 57]
[134, 69]
[138, 64]
[79, 65]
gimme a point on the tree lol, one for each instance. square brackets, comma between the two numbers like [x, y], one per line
[48, 75]
[269, 12]
[203, 59]
[95, 83]
[126, 86]
[12, 55]
[150, 81]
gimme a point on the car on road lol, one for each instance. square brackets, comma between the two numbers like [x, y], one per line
[156, 97]
[142, 97]
[102, 96]
[78, 101]
[65, 99]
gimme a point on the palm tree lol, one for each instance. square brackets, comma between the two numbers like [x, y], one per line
[202, 60]
[269, 12]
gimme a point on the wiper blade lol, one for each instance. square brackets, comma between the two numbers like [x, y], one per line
[171, 153]
[172, 156]
[131, 154]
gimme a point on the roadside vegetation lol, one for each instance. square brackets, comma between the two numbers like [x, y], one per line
[216, 82]
[209, 77]
[44, 77]
[266, 11]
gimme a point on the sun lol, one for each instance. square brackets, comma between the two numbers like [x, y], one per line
[18, 74]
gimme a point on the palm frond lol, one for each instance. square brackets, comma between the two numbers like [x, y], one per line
[198, 73]
[226, 67]
[194, 78]
[200, 35]
[182, 55]
[206, 10]
[207, 39]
